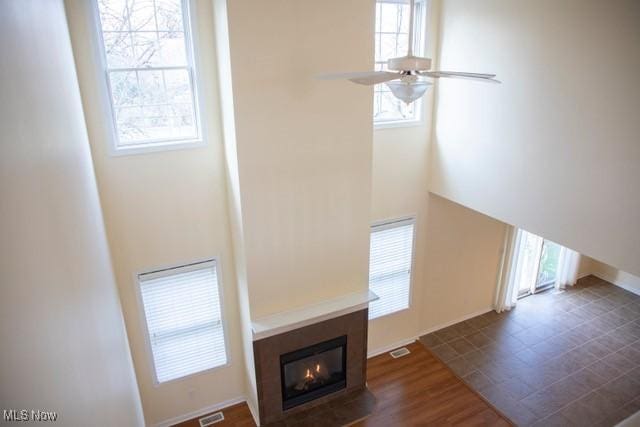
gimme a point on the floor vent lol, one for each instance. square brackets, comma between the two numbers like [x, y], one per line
[211, 419]
[399, 352]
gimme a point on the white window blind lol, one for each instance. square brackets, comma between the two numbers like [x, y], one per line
[150, 71]
[390, 266]
[184, 321]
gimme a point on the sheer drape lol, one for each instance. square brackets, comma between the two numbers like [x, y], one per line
[507, 293]
[568, 263]
[520, 266]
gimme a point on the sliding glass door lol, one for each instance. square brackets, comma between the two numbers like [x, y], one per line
[548, 266]
[537, 263]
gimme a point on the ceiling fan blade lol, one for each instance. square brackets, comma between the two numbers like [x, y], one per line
[460, 75]
[363, 78]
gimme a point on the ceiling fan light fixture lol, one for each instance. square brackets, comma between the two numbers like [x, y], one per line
[408, 91]
[408, 69]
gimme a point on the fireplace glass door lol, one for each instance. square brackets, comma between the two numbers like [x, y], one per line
[313, 371]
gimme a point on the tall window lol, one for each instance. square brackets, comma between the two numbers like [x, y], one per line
[184, 320]
[149, 71]
[537, 263]
[390, 266]
[391, 40]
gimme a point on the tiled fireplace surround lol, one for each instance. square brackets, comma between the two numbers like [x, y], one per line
[267, 352]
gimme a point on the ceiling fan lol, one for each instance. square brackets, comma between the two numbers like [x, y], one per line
[403, 73]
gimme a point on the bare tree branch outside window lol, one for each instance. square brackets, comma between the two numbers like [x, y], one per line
[391, 40]
[150, 76]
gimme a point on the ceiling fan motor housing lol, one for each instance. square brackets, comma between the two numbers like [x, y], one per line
[409, 63]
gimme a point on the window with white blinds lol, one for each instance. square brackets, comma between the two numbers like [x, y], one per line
[184, 320]
[390, 266]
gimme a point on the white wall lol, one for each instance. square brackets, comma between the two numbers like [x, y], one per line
[163, 209]
[303, 148]
[64, 344]
[554, 149]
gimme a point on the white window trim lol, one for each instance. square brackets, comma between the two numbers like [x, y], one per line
[143, 318]
[194, 63]
[420, 117]
[391, 223]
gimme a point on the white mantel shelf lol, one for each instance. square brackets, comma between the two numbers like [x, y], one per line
[279, 323]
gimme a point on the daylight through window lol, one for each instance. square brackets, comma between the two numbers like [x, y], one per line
[149, 71]
[183, 314]
[390, 260]
[391, 40]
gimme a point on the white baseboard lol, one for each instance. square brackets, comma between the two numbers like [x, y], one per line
[406, 341]
[453, 322]
[254, 412]
[202, 411]
[387, 348]
[618, 283]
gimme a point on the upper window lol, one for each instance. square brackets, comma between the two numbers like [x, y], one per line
[391, 40]
[149, 72]
[183, 319]
[390, 266]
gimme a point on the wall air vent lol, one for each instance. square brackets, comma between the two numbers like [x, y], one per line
[399, 352]
[211, 419]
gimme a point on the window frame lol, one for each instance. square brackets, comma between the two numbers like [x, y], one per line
[386, 225]
[193, 64]
[143, 318]
[423, 15]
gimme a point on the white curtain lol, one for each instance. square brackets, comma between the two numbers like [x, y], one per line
[567, 272]
[507, 291]
[519, 267]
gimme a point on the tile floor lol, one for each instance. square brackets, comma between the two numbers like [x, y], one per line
[559, 358]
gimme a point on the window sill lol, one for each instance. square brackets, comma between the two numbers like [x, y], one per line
[399, 124]
[393, 313]
[154, 147]
[157, 384]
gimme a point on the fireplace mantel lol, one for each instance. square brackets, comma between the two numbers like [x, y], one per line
[279, 323]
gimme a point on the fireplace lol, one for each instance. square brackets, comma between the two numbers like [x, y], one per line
[314, 371]
[318, 364]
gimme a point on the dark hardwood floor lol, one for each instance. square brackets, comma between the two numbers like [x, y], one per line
[415, 390]
[236, 416]
[418, 389]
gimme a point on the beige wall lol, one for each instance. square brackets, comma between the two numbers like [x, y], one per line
[303, 148]
[399, 190]
[621, 278]
[64, 344]
[399, 177]
[554, 149]
[303, 183]
[464, 249]
[457, 257]
[163, 209]
[223, 56]
[586, 266]
[457, 250]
